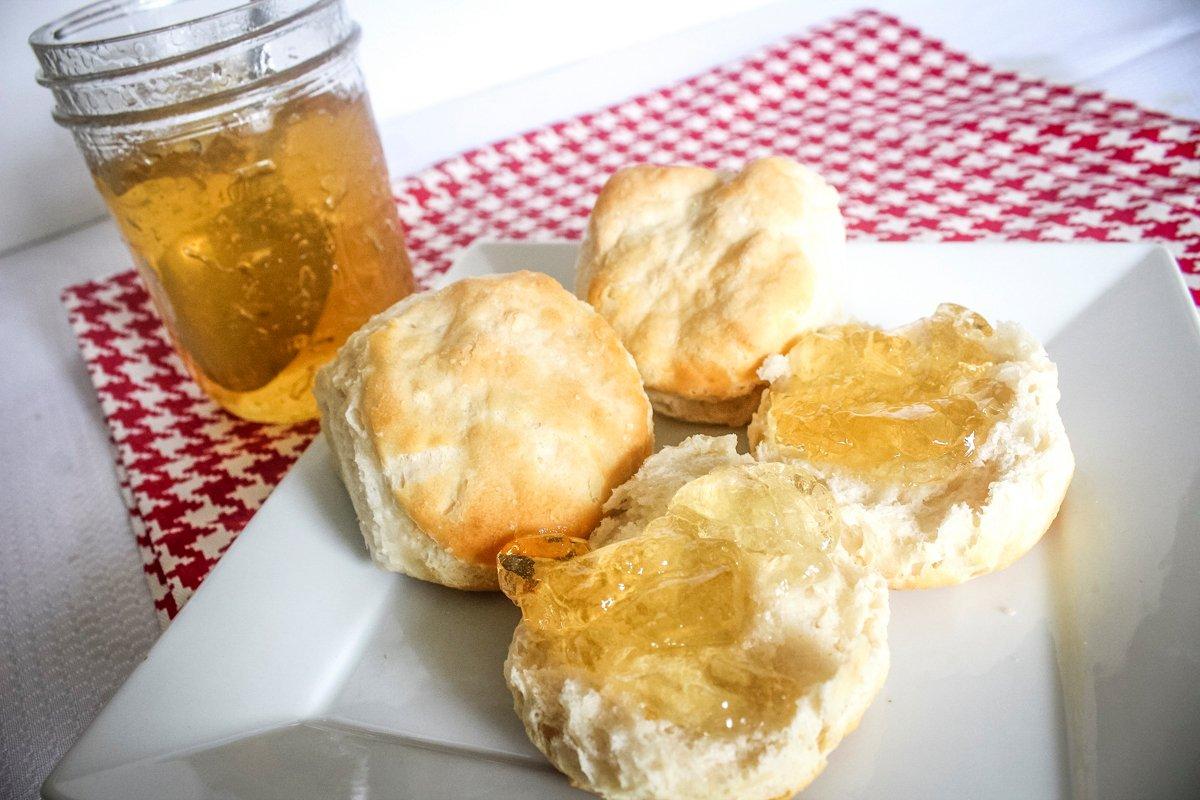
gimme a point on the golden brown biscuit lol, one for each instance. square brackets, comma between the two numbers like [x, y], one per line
[489, 409]
[704, 274]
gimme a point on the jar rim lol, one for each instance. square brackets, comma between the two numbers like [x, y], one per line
[52, 35]
[63, 59]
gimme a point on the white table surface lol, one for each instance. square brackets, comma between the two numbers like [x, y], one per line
[75, 613]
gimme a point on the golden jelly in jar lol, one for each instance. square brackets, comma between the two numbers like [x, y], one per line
[667, 617]
[911, 405]
[239, 158]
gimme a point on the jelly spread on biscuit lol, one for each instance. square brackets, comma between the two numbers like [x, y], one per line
[667, 619]
[912, 405]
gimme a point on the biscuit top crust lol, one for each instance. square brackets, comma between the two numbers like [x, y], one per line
[501, 407]
[703, 274]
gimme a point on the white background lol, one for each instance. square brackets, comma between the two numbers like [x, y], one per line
[75, 614]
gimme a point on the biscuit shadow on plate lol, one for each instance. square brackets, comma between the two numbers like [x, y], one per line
[669, 432]
[432, 670]
[463, 637]
[328, 501]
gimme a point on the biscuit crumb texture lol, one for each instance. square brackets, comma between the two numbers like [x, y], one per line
[822, 632]
[774, 367]
[703, 274]
[465, 417]
[951, 527]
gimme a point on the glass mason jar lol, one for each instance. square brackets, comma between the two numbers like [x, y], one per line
[236, 150]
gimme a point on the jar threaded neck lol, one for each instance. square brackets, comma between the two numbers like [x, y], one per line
[124, 58]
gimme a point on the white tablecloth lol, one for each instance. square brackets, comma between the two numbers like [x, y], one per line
[75, 614]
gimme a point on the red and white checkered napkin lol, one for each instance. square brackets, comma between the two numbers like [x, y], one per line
[923, 143]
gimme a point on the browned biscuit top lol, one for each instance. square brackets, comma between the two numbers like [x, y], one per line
[499, 407]
[703, 274]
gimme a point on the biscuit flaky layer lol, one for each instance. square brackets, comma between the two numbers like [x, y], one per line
[493, 408]
[703, 274]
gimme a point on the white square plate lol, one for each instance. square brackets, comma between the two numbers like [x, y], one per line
[302, 671]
